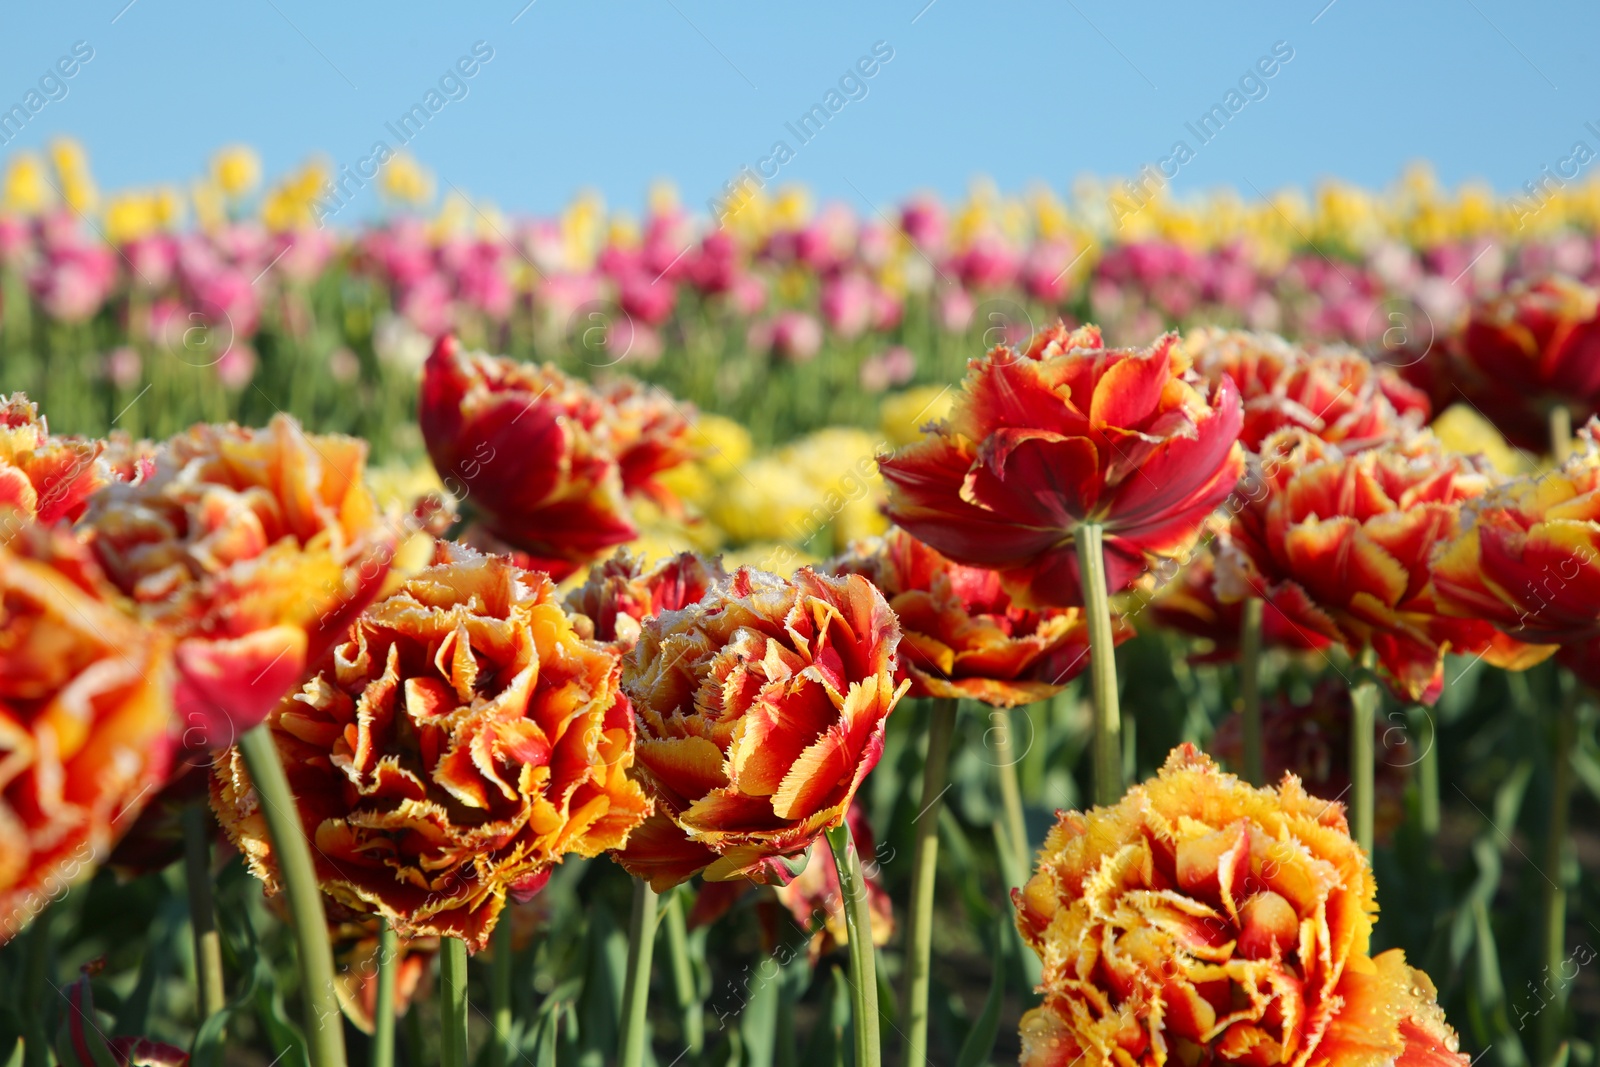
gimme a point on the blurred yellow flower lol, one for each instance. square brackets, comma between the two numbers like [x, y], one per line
[210, 211]
[129, 216]
[770, 500]
[724, 443]
[902, 415]
[27, 190]
[69, 159]
[403, 180]
[1461, 429]
[236, 170]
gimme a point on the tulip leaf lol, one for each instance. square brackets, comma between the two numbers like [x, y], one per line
[15, 1059]
[160, 948]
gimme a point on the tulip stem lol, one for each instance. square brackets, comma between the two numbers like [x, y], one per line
[694, 1026]
[863, 963]
[324, 1021]
[210, 997]
[1250, 689]
[1363, 719]
[383, 1005]
[1428, 776]
[1006, 760]
[500, 1044]
[453, 1001]
[1563, 739]
[924, 865]
[1108, 781]
[636, 988]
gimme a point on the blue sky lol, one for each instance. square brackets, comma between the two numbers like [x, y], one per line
[613, 95]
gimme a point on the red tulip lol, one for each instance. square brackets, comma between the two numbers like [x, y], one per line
[1064, 433]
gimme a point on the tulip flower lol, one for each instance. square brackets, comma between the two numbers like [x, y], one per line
[1527, 557]
[1064, 433]
[85, 721]
[1333, 392]
[1202, 917]
[44, 478]
[1529, 351]
[491, 745]
[621, 593]
[1341, 546]
[544, 461]
[806, 669]
[254, 548]
[961, 634]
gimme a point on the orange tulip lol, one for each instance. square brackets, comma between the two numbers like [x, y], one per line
[761, 709]
[1201, 920]
[1064, 433]
[44, 478]
[1340, 545]
[86, 728]
[1334, 392]
[1527, 557]
[459, 744]
[255, 549]
[961, 634]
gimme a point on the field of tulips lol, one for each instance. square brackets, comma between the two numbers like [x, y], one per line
[1040, 629]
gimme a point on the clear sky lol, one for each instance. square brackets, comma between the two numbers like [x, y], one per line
[612, 95]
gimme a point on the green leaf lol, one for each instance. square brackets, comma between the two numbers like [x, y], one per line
[160, 948]
[979, 1045]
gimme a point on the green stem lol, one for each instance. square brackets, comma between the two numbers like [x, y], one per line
[453, 1001]
[500, 1043]
[924, 865]
[383, 1006]
[1363, 719]
[1428, 775]
[324, 1022]
[1563, 739]
[636, 989]
[863, 963]
[1108, 781]
[210, 996]
[1006, 760]
[1250, 689]
[1013, 875]
[683, 983]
